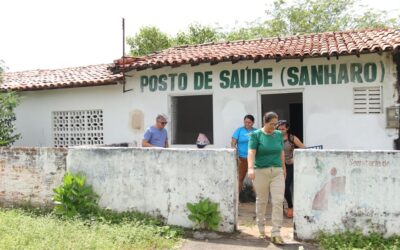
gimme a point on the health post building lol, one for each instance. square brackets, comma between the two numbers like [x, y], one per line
[336, 89]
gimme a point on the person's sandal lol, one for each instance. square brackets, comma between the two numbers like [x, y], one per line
[277, 240]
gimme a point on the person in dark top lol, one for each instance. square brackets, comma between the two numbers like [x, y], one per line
[290, 143]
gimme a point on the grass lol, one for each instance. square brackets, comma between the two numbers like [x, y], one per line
[356, 240]
[22, 229]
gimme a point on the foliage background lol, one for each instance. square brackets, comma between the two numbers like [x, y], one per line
[283, 18]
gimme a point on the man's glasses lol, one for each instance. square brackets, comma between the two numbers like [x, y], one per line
[163, 123]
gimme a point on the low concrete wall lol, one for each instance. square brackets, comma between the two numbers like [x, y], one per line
[346, 190]
[28, 175]
[160, 181]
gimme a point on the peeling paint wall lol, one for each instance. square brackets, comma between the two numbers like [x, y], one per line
[28, 175]
[160, 181]
[346, 190]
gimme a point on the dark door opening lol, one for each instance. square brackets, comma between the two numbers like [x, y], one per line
[288, 106]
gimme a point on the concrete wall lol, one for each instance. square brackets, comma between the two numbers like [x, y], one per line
[344, 190]
[160, 181]
[155, 181]
[327, 108]
[28, 175]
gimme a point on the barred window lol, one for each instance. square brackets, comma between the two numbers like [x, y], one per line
[81, 127]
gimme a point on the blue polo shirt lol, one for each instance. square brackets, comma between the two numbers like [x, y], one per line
[155, 136]
[242, 138]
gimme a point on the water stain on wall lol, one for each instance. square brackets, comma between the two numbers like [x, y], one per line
[136, 121]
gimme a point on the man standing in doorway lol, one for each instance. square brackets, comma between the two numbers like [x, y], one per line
[156, 135]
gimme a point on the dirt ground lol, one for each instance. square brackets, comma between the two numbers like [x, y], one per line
[247, 234]
[247, 223]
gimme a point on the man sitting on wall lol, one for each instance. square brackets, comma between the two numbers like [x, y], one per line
[156, 135]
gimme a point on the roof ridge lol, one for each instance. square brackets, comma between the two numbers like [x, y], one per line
[275, 37]
[322, 44]
[89, 75]
[59, 69]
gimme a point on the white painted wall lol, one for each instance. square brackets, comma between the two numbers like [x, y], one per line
[160, 181]
[327, 109]
[346, 190]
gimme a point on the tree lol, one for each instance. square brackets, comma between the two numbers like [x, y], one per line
[283, 19]
[8, 102]
[373, 19]
[2, 68]
[149, 39]
[252, 30]
[197, 34]
[314, 16]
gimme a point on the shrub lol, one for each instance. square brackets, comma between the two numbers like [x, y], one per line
[74, 198]
[204, 214]
[8, 102]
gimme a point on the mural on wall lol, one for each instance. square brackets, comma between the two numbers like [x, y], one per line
[322, 74]
[334, 187]
[346, 190]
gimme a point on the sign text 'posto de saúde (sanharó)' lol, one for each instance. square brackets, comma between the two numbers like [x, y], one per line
[312, 75]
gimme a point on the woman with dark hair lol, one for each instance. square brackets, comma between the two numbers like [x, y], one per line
[266, 161]
[240, 139]
[290, 143]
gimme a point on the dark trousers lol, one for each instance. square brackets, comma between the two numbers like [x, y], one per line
[289, 185]
[242, 162]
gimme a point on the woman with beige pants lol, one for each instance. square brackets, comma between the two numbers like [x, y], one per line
[266, 167]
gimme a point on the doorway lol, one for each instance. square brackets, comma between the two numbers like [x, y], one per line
[288, 106]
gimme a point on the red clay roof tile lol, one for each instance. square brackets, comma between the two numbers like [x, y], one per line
[310, 45]
[92, 75]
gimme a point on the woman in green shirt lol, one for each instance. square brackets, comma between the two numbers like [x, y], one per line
[266, 167]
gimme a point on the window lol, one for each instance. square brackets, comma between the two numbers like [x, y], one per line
[367, 100]
[83, 127]
[190, 116]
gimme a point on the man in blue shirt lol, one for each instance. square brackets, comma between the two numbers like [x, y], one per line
[156, 135]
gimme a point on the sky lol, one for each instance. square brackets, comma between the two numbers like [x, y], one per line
[51, 34]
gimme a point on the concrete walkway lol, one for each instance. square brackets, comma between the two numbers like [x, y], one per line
[247, 236]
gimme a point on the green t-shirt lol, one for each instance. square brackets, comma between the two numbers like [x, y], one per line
[268, 148]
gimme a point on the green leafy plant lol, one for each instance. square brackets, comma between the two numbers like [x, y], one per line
[74, 198]
[205, 214]
[357, 240]
[8, 102]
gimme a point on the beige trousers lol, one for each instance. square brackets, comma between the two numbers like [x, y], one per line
[266, 180]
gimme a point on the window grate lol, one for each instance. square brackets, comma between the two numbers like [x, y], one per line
[367, 100]
[73, 128]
